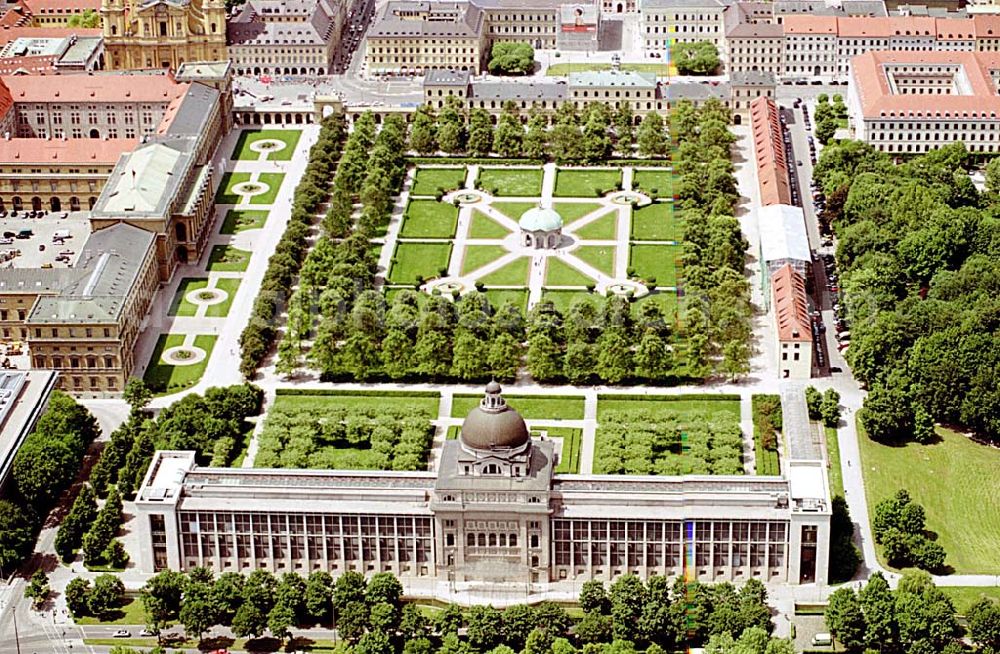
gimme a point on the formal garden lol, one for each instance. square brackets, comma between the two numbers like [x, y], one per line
[269, 144]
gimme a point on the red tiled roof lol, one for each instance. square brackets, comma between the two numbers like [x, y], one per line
[6, 100]
[878, 100]
[769, 152]
[806, 24]
[791, 309]
[85, 87]
[40, 64]
[67, 151]
[16, 16]
[51, 7]
[10, 33]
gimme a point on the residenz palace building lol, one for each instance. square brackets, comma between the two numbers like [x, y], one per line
[492, 516]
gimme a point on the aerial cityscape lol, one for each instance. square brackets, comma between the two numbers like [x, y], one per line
[499, 326]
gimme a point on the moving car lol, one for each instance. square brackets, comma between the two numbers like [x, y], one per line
[121, 633]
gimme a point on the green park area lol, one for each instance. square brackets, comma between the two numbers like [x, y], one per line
[656, 222]
[482, 226]
[226, 258]
[586, 182]
[513, 210]
[599, 229]
[560, 273]
[601, 257]
[655, 182]
[228, 285]
[514, 273]
[288, 138]
[531, 407]
[659, 261]
[418, 260]
[318, 401]
[956, 481]
[511, 182]
[477, 256]
[562, 70]
[429, 219]
[571, 211]
[431, 181]
[225, 194]
[163, 378]
[265, 188]
[241, 220]
[273, 183]
[181, 306]
[569, 441]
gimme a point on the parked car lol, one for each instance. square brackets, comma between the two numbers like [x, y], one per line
[836, 369]
[145, 633]
[6, 240]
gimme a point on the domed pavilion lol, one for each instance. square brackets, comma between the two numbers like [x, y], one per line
[494, 438]
[541, 227]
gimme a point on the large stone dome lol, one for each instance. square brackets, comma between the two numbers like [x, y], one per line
[540, 219]
[494, 425]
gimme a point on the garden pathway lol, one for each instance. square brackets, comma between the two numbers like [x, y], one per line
[588, 438]
[392, 231]
[628, 175]
[442, 423]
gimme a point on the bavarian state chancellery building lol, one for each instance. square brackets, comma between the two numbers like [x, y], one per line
[493, 515]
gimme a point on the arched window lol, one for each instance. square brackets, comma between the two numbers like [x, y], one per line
[513, 540]
[482, 540]
[471, 540]
[493, 540]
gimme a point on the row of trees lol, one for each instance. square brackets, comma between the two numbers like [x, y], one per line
[919, 259]
[376, 439]
[828, 116]
[717, 295]
[312, 191]
[592, 137]
[898, 524]
[45, 466]
[630, 615]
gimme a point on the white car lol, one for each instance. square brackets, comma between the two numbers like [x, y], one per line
[121, 633]
[147, 633]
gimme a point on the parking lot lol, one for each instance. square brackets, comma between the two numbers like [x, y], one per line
[39, 249]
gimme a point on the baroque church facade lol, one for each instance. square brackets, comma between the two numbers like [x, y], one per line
[163, 33]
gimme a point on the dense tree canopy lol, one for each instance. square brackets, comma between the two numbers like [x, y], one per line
[511, 58]
[695, 58]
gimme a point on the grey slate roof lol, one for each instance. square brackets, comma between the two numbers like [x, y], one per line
[530, 91]
[697, 92]
[752, 78]
[442, 77]
[96, 288]
[468, 20]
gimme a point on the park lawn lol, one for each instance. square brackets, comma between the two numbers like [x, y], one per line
[431, 181]
[320, 402]
[513, 210]
[226, 258]
[531, 407]
[514, 273]
[477, 256]
[560, 273]
[601, 257]
[230, 285]
[768, 462]
[835, 475]
[600, 229]
[563, 299]
[179, 306]
[273, 181]
[585, 182]
[956, 481]
[413, 260]
[660, 179]
[240, 220]
[163, 378]
[225, 194]
[562, 70]
[569, 455]
[290, 137]
[667, 300]
[482, 226]
[429, 219]
[678, 405]
[655, 261]
[516, 182]
[571, 211]
[656, 222]
[965, 596]
[130, 613]
[501, 296]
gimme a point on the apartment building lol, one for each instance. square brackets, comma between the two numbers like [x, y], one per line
[681, 21]
[57, 13]
[274, 37]
[913, 102]
[793, 327]
[752, 45]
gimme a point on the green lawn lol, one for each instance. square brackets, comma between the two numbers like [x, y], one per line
[429, 219]
[513, 210]
[240, 220]
[477, 256]
[163, 378]
[225, 194]
[836, 477]
[230, 285]
[563, 299]
[421, 405]
[674, 404]
[956, 481]
[131, 613]
[429, 181]
[561, 70]
[517, 182]
[656, 222]
[601, 257]
[768, 461]
[226, 258]
[179, 306]
[655, 261]
[499, 297]
[560, 273]
[514, 273]
[569, 457]
[601, 229]
[482, 226]
[965, 596]
[655, 182]
[412, 260]
[666, 299]
[571, 211]
[532, 407]
[273, 181]
[290, 137]
[585, 183]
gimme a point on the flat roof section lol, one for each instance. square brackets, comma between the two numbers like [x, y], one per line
[23, 397]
